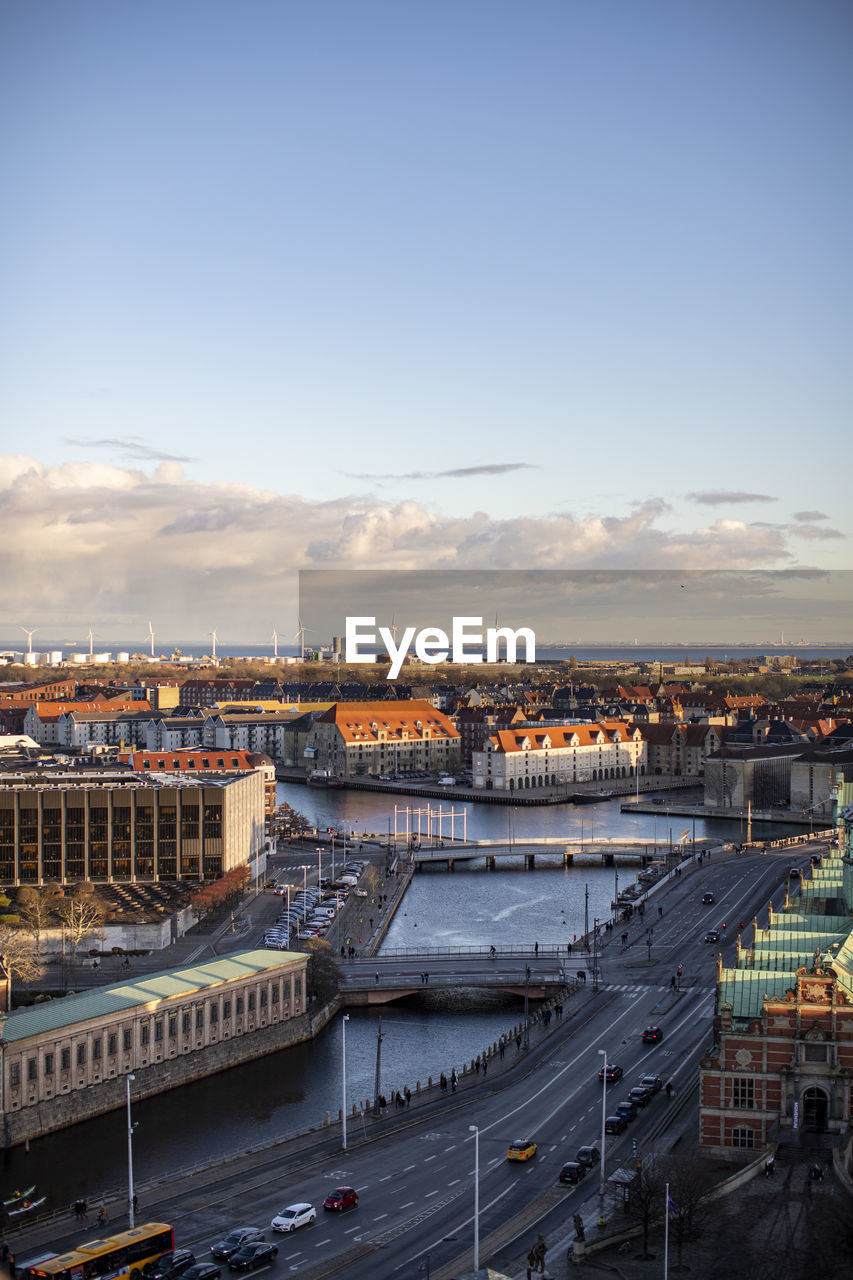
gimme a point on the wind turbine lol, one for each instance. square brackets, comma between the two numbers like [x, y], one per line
[213, 638]
[300, 636]
[151, 636]
[274, 642]
[91, 636]
[29, 635]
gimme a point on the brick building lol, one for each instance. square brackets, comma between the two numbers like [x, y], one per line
[353, 738]
[783, 1022]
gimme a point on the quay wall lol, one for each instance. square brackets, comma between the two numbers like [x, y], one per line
[109, 1095]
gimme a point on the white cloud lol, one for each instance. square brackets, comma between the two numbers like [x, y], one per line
[87, 541]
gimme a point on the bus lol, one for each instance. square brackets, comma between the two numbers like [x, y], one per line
[118, 1257]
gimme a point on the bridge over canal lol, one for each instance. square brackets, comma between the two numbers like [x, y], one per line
[609, 852]
[535, 974]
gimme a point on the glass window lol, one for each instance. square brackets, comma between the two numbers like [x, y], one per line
[48, 1064]
[144, 1033]
[743, 1092]
[128, 1040]
[81, 1055]
[251, 1002]
[226, 1008]
[239, 1005]
[15, 1074]
[173, 1026]
[32, 1069]
[65, 1059]
[96, 1048]
[199, 1017]
[743, 1138]
[185, 1023]
[112, 1044]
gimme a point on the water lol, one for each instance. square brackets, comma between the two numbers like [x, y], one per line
[288, 1092]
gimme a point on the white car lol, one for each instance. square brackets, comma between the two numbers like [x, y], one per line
[295, 1215]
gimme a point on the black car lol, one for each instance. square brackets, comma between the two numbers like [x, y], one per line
[170, 1265]
[614, 1073]
[203, 1271]
[794, 873]
[651, 1035]
[573, 1172]
[251, 1256]
[712, 936]
[639, 1096]
[588, 1156]
[707, 899]
[654, 1084]
[614, 1124]
[235, 1240]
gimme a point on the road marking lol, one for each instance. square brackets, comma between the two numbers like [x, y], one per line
[350, 1230]
[454, 1182]
[389, 1176]
[453, 1148]
[426, 1158]
[407, 1205]
[380, 1217]
[430, 1193]
[320, 1243]
[407, 1168]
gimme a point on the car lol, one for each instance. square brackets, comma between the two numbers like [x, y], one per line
[588, 1156]
[639, 1096]
[235, 1240]
[708, 899]
[654, 1084]
[712, 936]
[251, 1256]
[794, 873]
[203, 1271]
[614, 1073]
[341, 1198]
[360, 893]
[295, 1215]
[170, 1265]
[614, 1124]
[627, 1109]
[573, 1172]
[652, 1035]
[521, 1149]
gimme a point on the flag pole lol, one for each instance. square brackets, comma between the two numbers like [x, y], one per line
[666, 1236]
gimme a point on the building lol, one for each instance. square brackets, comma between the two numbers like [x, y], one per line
[782, 1057]
[67, 1060]
[523, 757]
[356, 738]
[679, 749]
[195, 762]
[123, 826]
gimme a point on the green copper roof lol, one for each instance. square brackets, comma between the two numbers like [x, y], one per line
[67, 1011]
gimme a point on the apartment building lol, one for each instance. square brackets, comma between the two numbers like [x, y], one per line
[520, 758]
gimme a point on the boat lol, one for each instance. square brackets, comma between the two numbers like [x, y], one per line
[323, 778]
[592, 797]
[25, 1204]
[20, 1195]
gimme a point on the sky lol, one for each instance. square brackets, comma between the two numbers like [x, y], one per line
[362, 284]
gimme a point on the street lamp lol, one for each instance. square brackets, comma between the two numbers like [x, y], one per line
[344, 1081]
[526, 998]
[319, 866]
[603, 1053]
[472, 1128]
[130, 1128]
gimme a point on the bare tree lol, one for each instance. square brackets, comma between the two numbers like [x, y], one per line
[690, 1180]
[20, 952]
[36, 908]
[82, 914]
[323, 978]
[645, 1202]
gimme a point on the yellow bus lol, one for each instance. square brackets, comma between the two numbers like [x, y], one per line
[119, 1257]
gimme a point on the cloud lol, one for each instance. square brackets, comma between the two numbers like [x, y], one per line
[723, 497]
[130, 447]
[810, 516]
[814, 532]
[456, 473]
[87, 541]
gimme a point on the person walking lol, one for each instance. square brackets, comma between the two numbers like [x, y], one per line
[407, 1094]
[485, 1066]
[377, 978]
[102, 1215]
[442, 1081]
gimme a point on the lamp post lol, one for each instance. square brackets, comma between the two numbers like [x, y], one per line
[526, 1018]
[472, 1128]
[319, 866]
[304, 877]
[603, 1053]
[130, 1128]
[344, 1081]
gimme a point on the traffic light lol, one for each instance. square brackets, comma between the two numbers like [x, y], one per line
[634, 1147]
[678, 971]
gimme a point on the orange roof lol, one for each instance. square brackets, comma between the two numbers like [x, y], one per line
[569, 735]
[364, 721]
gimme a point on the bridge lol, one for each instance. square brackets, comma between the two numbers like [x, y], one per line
[523, 972]
[609, 851]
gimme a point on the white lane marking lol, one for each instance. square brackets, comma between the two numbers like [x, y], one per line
[430, 1193]
[407, 1205]
[426, 1158]
[454, 1182]
[453, 1231]
[380, 1217]
[407, 1168]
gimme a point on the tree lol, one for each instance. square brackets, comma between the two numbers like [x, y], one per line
[645, 1201]
[323, 978]
[690, 1180]
[36, 908]
[82, 913]
[20, 953]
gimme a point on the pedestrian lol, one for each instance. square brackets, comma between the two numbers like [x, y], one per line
[518, 1044]
[536, 948]
[660, 912]
[407, 1094]
[426, 977]
[672, 983]
[135, 1202]
[102, 1215]
[569, 948]
[377, 978]
[442, 1081]
[485, 1067]
[454, 1080]
[669, 1088]
[501, 1048]
[477, 1064]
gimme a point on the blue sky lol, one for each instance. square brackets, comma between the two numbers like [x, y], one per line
[412, 285]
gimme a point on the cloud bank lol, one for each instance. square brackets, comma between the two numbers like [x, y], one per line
[89, 542]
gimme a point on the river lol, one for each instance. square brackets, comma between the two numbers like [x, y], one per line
[288, 1092]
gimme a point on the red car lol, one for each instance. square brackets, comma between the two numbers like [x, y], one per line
[342, 1198]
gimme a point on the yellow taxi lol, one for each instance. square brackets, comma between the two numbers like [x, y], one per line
[521, 1150]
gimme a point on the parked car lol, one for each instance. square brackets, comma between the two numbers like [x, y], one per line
[614, 1073]
[251, 1256]
[295, 1215]
[170, 1265]
[573, 1172]
[640, 1096]
[652, 1035]
[614, 1124]
[235, 1240]
[588, 1156]
[341, 1198]
[652, 1083]
[627, 1109]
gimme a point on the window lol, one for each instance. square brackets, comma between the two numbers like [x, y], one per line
[743, 1138]
[65, 1060]
[158, 1029]
[199, 1017]
[743, 1092]
[48, 1064]
[275, 993]
[144, 1033]
[214, 1015]
[251, 1002]
[185, 1024]
[96, 1049]
[239, 1005]
[814, 1053]
[264, 998]
[112, 1044]
[81, 1055]
[127, 1040]
[173, 1026]
[32, 1069]
[15, 1074]
[226, 1008]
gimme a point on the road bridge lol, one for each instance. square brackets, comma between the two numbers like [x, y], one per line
[536, 974]
[616, 850]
